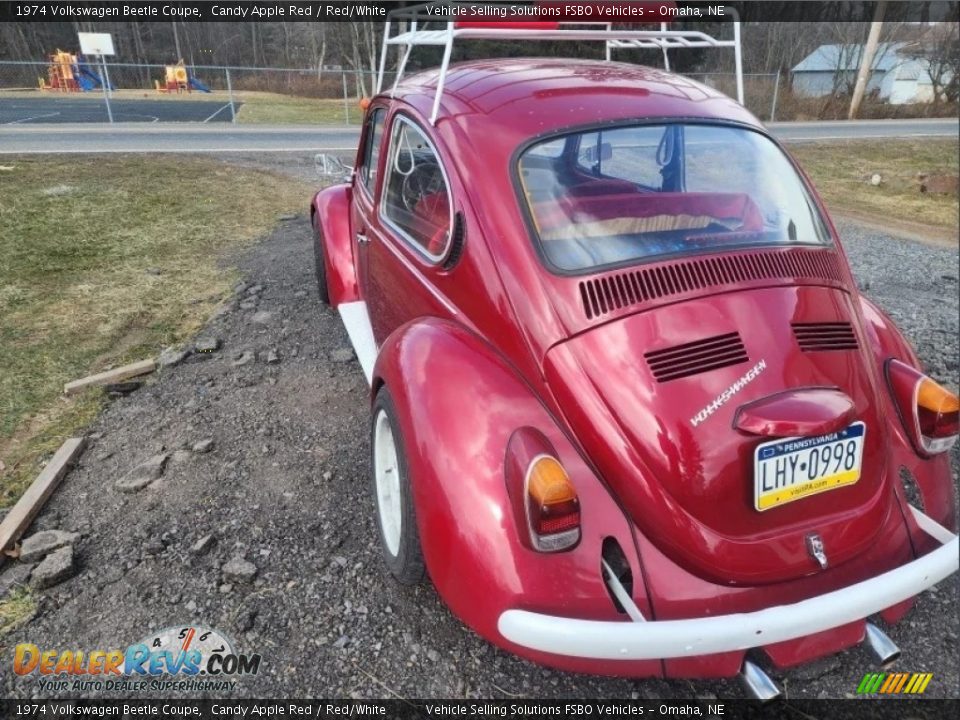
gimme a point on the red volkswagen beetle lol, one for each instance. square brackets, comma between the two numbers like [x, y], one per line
[630, 412]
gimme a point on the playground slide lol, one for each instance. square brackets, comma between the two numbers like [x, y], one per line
[88, 79]
[197, 85]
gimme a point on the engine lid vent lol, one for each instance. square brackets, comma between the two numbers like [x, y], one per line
[696, 357]
[813, 337]
[610, 292]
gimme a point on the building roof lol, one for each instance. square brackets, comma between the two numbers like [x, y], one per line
[828, 58]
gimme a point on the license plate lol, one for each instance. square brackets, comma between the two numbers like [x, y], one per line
[794, 468]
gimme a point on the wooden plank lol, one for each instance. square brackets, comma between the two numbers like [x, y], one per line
[27, 507]
[110, 376]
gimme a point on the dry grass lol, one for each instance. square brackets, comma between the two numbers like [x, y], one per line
[841, 171]
[77, 238]
[16, 609]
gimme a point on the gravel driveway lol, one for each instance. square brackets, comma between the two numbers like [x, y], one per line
[285, 486]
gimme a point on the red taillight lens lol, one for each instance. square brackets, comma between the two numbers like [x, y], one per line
[553, 508]
[930, 412]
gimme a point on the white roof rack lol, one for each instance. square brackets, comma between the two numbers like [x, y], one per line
[411, 25]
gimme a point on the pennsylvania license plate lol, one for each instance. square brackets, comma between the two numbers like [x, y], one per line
[794, 468]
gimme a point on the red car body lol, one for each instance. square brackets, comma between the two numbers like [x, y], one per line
[494, 357]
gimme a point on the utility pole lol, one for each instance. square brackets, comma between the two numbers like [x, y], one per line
[866, 63]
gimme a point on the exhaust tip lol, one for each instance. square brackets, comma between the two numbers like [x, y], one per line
[758, 684]
[883, 648]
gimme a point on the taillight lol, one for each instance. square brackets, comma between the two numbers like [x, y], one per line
[930, 412]
[938, 416]
[553, 508]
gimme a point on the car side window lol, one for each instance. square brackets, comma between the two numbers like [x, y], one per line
[371, 151]
[416, 199]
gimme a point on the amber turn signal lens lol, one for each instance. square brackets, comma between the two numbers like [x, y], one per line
[936, 398]
[553, 508]
[364, 103]
[548, 483]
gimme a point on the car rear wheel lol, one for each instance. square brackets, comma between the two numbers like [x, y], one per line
[320, 269]
[393, 495]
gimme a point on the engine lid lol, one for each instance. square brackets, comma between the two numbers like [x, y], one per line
[653, 398]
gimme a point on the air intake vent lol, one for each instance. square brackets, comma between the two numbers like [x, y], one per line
[611, 292]
[696, 357]
[825, 336]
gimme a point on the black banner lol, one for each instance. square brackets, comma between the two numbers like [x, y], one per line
[402, 709]
[376, 11]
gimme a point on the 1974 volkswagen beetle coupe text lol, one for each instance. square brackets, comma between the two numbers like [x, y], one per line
[629, 410]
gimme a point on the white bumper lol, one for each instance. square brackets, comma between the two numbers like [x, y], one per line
[612, 640]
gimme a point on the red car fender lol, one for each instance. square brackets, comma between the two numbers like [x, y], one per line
[458, 403]
[932, 475]
[330, 210]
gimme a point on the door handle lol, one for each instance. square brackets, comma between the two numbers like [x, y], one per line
[362, 238]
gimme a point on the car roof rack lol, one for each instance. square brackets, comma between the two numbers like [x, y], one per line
[411, 23]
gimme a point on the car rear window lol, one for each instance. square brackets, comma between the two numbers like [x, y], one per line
[617, 195]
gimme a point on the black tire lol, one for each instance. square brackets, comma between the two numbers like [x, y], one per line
[406, 564]
[319, 268]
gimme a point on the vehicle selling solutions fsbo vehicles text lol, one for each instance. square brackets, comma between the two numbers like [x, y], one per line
[600, 11]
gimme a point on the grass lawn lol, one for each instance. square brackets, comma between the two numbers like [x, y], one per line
[841, 171]
[106, 260]
[271, 108]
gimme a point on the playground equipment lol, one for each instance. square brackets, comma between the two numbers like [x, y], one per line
[70, 73]
[178, 79]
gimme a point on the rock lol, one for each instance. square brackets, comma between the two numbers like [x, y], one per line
[244, 358]
[170, 357]
[273, 357]
[143, 474]
[341, 642]
[248, 305]
[121, 389]
[152, 271]
[55, 568]
[245, 620]
[255, 290]
[204, 446]
[342, 355]
[203, 545]
[433, 655]
[13, 577]
[876, 179]
[287, 218]
[300, 294]
[153, 546]
[41, 544]
[191, 606]
[262, 317]
[225, 588]
[181, 456]
[206, 345]
[239, 570]
[240, 288]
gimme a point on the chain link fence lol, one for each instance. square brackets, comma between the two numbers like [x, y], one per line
[39, 92]
[302, 96]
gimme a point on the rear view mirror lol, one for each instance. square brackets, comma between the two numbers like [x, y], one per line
[330, 166]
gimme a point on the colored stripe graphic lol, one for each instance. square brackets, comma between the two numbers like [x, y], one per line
[894, 683]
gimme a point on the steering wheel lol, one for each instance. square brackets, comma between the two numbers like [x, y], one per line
[425, 179]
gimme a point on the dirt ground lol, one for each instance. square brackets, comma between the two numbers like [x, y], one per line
[285, 486]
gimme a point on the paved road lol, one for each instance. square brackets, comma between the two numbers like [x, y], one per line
[162, 137]
[68, 110]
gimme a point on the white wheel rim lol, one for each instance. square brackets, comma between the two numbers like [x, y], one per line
[387, 473]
